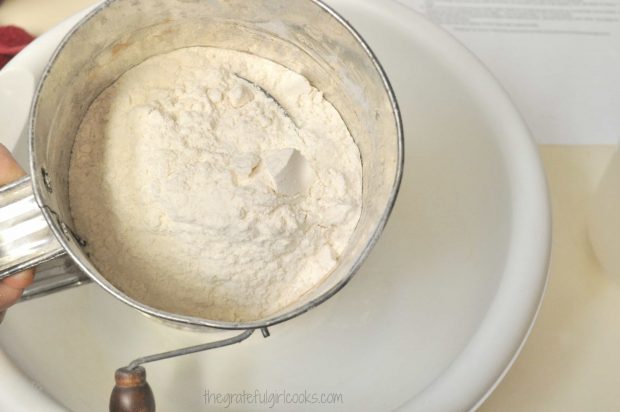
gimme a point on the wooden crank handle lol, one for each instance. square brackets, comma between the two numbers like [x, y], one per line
[132, 392]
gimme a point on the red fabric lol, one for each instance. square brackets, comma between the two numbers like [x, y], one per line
[4, 60]
[12, 40]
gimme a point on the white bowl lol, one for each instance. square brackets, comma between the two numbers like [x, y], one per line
[431, 322]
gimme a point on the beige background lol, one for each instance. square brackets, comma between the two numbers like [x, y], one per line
[572, 358]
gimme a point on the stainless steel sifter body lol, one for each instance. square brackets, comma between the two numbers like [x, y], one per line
[303, 35]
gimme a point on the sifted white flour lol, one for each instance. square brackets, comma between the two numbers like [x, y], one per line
[199, 194]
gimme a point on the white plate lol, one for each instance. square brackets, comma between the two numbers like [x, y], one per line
[431, 322]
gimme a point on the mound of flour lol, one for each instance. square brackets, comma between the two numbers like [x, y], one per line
[214, 183]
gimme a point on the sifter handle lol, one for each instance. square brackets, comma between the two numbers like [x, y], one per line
[27, 241]
[25, 237]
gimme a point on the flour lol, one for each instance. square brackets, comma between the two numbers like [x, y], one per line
[214, 183]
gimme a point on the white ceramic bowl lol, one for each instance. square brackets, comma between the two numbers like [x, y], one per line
[431, 322]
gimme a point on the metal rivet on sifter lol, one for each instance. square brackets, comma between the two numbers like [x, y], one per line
[46, 180]
[65, 229]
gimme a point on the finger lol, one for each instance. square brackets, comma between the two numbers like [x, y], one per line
[8, 296]
[10, 170]
[20, 280]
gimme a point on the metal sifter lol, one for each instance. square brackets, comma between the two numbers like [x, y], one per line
[305, 36]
